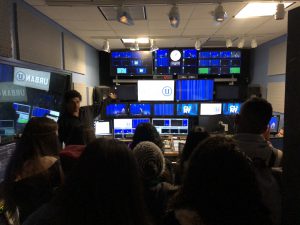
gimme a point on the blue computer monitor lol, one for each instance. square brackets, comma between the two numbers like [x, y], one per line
[175, 126]
[194, 90]
[139, 109]
[163, 109]
[42, 112]
[23, 112]
[231, 108]
[187, 109]
[125, 128]
[274, 124]
[117, 109]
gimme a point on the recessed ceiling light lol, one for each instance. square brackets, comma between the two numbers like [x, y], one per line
[256, 9]
[138, 40]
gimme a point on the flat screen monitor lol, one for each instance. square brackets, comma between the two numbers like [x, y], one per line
[117, 109]
[163, 109]
[127, 92]
[231, 108]
[227, 92]
[187, 109]
[175, 126]
[219, 62]
[194, 90]
[41, 112]
[125, 128]
[102, 128]
[127, 63]
[23, 112]
[210, 109]
[156, 90]
[7, 127]
[274, 124]
[140, 109]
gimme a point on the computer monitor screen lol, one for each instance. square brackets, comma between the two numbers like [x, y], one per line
[131, 63]
[175, 126]
[140, 109]
[187, 109]
[117, 109]
[125, 128]
[274, 124]
[194, 90]
[127, 92]
[227, 92]
[7, 127]
[231, 108]
[23, 112]
[156, 90]
[163, 109]
[210, 108]
[102, 128]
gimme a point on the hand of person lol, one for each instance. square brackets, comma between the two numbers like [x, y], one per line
[112, 95]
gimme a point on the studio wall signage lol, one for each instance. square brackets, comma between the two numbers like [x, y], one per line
[32, 78]
[12, 93]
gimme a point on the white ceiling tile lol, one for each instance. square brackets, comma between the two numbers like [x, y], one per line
[84, 25]
[87, 13]
[164, 24]
[160, 12]
[240, 26]
[199, 32]
[203, 24]
[271, 26]
[95, 33]
[138, 25]
[165, 32]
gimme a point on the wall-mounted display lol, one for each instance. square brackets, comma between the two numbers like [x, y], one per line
[129, 63]
[219, 62]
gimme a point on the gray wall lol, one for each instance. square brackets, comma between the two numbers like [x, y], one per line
[65, 51]
[262, 61]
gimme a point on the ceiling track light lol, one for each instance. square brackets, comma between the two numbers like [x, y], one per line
[219, 13]
[253, 43]
[153, 46]
[106, 47]
[229, 43]
[135, 47]
[124, 17]
[241, 43]
[174, 17]
[280, 12]
[198, 44]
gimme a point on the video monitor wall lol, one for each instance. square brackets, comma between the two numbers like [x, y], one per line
[210, 109]
[156, 90]
[140, 109]
[175, 126]
[194, 90]
[117, 109]
[163, 109]
[231, 108]
[124, 128]
[126, 63]
[219, 62]
[187, 109]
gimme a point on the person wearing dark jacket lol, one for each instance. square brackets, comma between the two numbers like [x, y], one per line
[74, 116]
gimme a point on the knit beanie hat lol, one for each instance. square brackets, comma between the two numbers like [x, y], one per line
[150, 160]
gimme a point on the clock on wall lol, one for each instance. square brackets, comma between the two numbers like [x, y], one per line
[175, 55]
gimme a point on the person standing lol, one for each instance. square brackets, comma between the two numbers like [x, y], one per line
[74, 116]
